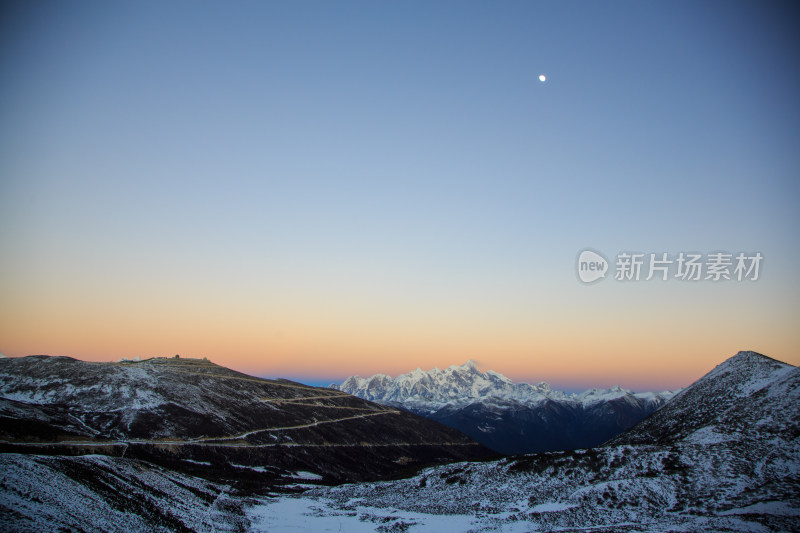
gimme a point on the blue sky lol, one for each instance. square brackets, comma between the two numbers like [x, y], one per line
[289, 171]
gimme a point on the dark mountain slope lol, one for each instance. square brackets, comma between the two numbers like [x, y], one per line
[511, 427]
[201, 418]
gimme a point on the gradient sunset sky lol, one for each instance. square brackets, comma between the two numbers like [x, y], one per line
[318, 189]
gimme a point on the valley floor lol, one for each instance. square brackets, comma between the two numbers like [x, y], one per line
[618, 489]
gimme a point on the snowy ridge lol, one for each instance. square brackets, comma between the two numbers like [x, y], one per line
[730, 384]
[458, 386]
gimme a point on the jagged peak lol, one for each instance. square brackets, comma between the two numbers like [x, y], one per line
[470, 365]
[499, 376]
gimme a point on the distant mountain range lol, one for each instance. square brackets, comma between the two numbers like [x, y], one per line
[506, 416]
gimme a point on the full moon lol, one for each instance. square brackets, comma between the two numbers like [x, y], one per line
[542, 77]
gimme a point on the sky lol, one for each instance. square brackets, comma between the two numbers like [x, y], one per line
[318, 189]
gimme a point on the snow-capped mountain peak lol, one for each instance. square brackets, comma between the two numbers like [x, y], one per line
[507, 416]
[469, 366]
[459, 385]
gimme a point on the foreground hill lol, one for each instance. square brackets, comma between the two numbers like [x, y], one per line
[43, 493]
[731, 400]
[201, 418]
[724, 455]
[506, 416]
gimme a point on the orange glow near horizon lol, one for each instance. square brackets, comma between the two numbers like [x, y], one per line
[564, 347]
[640, 336]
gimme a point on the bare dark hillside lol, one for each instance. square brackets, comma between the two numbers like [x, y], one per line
[203, 418]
